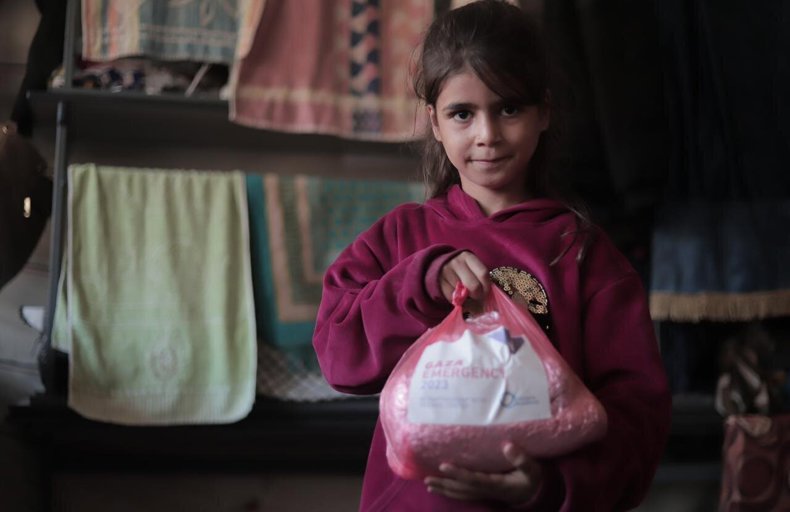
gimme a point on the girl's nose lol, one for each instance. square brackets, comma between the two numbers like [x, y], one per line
[488, 131]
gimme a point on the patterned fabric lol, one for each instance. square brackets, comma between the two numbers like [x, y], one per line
[279, 376]
[339, 68]
[298, 226]
[364, 65]
[198, 30]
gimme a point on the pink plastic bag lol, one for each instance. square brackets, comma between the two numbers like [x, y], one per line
[466, 387]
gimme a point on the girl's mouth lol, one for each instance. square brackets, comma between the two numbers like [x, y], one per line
[488, 162]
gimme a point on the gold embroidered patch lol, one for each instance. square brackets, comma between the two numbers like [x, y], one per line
[513, 280]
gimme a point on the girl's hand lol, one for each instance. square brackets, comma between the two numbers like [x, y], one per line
[468, 269]
[514, 488]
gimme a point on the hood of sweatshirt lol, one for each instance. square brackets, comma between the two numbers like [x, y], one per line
[457, 204]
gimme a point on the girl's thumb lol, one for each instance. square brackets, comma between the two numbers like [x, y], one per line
[515, 455]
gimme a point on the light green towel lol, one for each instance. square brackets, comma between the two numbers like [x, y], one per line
[157, 308]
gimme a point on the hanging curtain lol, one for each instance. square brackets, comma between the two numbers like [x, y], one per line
[721, 243]
[608, 113]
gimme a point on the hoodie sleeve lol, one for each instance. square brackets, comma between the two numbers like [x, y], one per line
[374, 305]
[625, 371]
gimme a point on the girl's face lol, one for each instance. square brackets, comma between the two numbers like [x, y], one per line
[488, 140]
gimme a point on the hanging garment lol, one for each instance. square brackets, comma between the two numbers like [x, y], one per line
[339, 68]
[156, 304]
[196, 30]
[720, 243]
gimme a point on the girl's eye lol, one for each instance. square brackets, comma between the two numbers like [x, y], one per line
[509, 111]
[462, 115]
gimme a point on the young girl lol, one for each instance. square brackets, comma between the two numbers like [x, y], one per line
[483, 77]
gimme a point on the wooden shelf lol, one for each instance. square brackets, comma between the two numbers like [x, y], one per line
[135, 129]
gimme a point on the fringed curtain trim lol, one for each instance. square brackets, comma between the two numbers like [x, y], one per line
[734, 307]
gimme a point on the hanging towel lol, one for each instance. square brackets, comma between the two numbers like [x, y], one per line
[158, 296]
[204, 31]
[298, 226]
[339, 68]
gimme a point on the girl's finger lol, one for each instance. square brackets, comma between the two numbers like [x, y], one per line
[521, 460]
[514, 455]
[469, 478]
[479, 270]
[452, 494]
[447, 289]
[464, 274]
[448, 484]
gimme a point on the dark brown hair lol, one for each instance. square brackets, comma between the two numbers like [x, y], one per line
[504, 47]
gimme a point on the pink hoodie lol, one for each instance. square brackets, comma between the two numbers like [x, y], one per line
[377, 300]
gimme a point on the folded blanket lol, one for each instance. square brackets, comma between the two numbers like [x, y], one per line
[157, 305]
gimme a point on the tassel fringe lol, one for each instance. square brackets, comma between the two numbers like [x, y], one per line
[732, 307]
